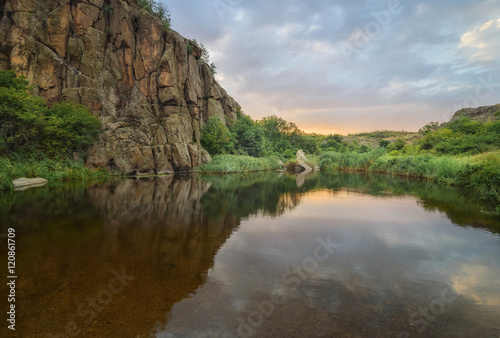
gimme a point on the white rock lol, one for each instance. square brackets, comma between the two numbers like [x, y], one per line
[24, 183]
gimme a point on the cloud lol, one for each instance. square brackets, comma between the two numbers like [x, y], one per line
[482, 41]
[283, 57]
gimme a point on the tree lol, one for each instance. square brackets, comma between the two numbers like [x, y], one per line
[284, 136]
[429, 128]
[21, 114]
[216, 137]
[396, 145]
[363, 148]
[383, 143]
[69, 125]
[249, 136]
[29, 127]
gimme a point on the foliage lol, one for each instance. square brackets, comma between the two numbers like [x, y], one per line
[429, 128]
[363, 148]
[330, 143]
[249, 136]
[213, 68]
[205, 55]
[52, 170]
[396, 145]
[158, 9]
[70, 126]
[189, 46]
[239, 163]
[29, 127]
[480, 175]
[462, 136]
[284, 136]
[216, 137]
[384, 143]
[379, 134]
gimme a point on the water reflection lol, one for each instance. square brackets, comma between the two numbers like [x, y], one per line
[73, 241]
[204, 254]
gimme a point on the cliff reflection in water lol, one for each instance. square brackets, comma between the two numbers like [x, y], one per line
[163, 232]
[72, 242]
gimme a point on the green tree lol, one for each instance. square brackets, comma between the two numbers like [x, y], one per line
[71, 126]
[429, 128]
[249, 136]
[363, 149]
[21, 115]
[29, 127]
[216, 137]
[383, 143]
[396, 145]
[285, 136]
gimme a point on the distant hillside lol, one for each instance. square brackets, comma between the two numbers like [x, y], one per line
[481, 114]
[372, 139]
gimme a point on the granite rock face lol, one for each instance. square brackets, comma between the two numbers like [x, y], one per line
[481, 114]
[152, 95]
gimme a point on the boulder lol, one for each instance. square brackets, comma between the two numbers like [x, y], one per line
[301, 163]
[24, 183]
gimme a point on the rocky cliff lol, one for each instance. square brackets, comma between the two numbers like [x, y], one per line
[481, 114]
[151, 92]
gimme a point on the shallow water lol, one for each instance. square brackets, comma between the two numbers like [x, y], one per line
[262, 255]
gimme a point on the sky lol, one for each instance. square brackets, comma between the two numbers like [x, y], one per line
[350, 66]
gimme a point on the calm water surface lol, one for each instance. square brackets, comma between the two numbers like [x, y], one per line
[264, 255]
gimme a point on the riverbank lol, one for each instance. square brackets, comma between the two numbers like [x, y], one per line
[223, 164]
[52, 170]
[478, 175]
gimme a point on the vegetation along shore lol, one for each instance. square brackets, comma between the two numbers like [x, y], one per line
[51, 142]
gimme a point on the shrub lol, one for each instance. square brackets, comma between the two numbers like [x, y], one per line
[383, 143]
[396, 145]
[363, 148]
[71, 126]
[49, 169]
[216, 137]
[158, 9]
[30, 128]
[249, 136]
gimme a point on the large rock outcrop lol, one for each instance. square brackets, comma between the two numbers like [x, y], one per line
[152, 94]
[481, 114]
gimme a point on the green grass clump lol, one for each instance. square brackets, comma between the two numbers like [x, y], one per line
[50, 169]
[239, 163]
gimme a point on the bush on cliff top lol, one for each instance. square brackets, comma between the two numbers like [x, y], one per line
[158, 9]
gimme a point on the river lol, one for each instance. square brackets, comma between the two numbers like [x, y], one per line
[254, 255]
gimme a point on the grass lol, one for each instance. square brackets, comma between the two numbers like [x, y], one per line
[238, 163]
[52, 170]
